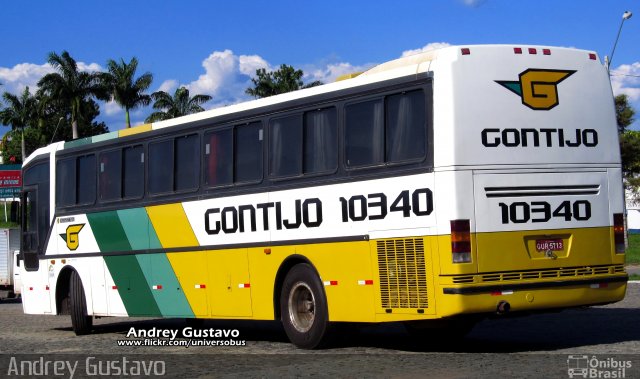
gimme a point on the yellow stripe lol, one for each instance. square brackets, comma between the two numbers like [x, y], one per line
[135, 130]
[173, 229]
[191, 270]
[172, 226]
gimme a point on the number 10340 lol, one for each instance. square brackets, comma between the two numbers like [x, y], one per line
[521, 212]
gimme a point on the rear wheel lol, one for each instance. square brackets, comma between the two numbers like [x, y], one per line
[303, 306]
[81, 322]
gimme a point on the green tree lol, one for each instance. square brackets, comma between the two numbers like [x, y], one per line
[285, 79]
[624, 113]
[629, 145]
[20, 113]
[180, 104]
[127, 91]
[70, 88]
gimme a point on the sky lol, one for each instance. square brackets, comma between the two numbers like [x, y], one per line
[214, 47]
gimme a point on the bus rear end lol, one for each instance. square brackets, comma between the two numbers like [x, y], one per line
[535, 169]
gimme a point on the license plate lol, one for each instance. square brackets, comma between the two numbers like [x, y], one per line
[553, 245]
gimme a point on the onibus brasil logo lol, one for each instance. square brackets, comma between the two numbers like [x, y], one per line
[537, 88]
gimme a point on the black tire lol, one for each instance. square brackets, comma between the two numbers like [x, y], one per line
[303, 308]
[80, 321]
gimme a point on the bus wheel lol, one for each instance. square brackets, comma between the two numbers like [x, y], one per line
[80, 321]
[303, 306]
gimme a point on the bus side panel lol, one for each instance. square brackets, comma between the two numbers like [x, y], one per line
[192, 273]
[345, 269]
[36, 299]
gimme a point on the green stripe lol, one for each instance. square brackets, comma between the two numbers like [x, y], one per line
[88, 140]
[138, 228]
[170, 298]
[133, 288]
[108, 231]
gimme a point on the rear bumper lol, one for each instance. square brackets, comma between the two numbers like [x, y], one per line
[531, 296]
[491, 289]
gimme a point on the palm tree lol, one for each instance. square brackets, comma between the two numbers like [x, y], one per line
[125, 90]
[70, 87]
[181, 104]
[19, 113]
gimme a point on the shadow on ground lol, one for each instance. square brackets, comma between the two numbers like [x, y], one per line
[541, 332]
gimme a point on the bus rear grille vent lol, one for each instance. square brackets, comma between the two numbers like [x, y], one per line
[542, 274]
[403, 273]
[463, 279]
[528, 191]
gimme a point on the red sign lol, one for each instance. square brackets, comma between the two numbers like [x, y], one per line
[10, 178]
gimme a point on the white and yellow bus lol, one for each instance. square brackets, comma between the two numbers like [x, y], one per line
[441, 186]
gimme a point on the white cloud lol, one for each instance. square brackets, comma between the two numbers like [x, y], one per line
[169, 86]
[427, 47]
[219, 70]
[16, 78]
[91, 67]
[250, 63]
[473, 3]
[226, 77]
[331, 71]
[625, 79]
[111, 108]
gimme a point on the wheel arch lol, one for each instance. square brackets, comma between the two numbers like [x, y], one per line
[283, 270]
[63, 286]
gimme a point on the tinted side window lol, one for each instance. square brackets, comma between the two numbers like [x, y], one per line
[110, 179]
[364, 134]
[218, 157]
[187, 162]
[248, 152]
[66, 182]
[285, 150]
[406, 127]
[86, 177]
[320, 141]
[133, 175]
[76, 181]
[161, 167]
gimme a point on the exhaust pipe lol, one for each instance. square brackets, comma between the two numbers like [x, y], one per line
[503, 307]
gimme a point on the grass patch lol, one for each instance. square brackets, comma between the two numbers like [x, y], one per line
[634, 277]
[633, 250]
[8, 224]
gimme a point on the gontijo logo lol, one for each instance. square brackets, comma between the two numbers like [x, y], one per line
[537, 88]
[71, 236]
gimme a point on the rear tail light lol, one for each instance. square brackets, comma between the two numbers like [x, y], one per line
[465, 51]
[618, 232]
[461, 241]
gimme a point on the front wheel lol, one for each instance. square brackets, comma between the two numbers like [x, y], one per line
[303, 306]
[81, 322]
